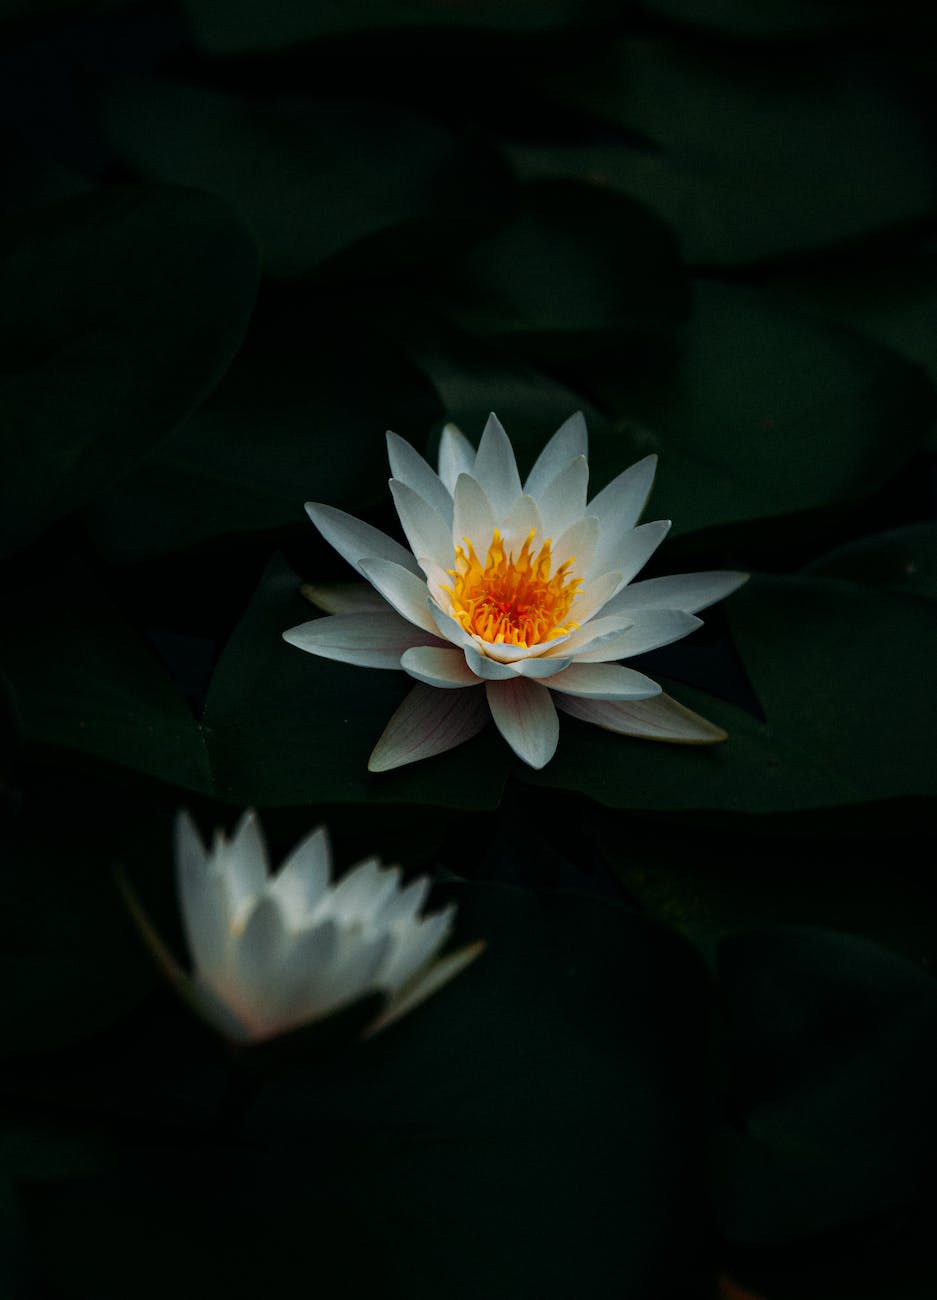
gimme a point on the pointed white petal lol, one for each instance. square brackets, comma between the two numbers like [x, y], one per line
[414, 946]
[594, 596]
[449, 628]
[540, 667]
[619, 506]
[649, 631]
[401, 908]
[356, 540]
[437, 582]
[473, 518]
[204, 900]
[356, 970]
[690, 592]
[435, 666]
[578, 542]
[360, 893]
[569, 442]
[257, 955]
[490, 670]
[424, 984]
[409, 467]
[632, 549]
[521, 520]
[426, 532]
[563, 501]
[406, 592]
[456, 455]
[524, 714]
[661, 718]
[343, 597]
[496, 468]
[604, 682]
[428, 722]
[369, 640]
[509, 654]
[243, 861]
[589, 634]
[301, 882]
[302, 988]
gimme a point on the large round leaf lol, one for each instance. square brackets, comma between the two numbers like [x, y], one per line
[118, 313]
[830, 1117]
[300, 415]
[843, 675]
[746, 158]
[903, 560]
[760, 411]
[311, 178]
[286, 727]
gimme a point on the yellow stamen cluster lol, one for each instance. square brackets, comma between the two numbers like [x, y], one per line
[508, 601]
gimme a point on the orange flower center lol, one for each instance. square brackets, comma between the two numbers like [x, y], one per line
[512, 601]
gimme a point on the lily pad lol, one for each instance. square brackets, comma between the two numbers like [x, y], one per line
[902, 560]
[120, 311]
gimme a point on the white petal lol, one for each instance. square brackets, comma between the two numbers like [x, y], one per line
[661, 718]
[402, 589]
[414, 946]
[437, 580]
[524, 714]
[590, 633]
[204, 900]
[594, 596]
[473, 518]
[687, 591]
[578, 542]
[655, 628]
[426, 531]
[604, 682]
[424, 984]
[357, 968]
[343, 597]
[521, 520]
[356, 540]
[360, 893]
[243, 861]
[490, 670]
[631, 549]
[301, 882]
[302, 987]
[496, 468]
[508, 654]
[619, 507]
[540, 667]
[569, 442]
[436, 666]
[456, 455]
[369, 640]
[401, 908]
[449, 628]
[409, 467]
[257, 957]
[563, 501]
[428, 722]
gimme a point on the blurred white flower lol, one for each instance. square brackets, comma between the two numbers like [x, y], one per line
[514, 599]
[271, 953]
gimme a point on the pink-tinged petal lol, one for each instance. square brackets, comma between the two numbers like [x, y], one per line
[604, 682]
[568, 443]
[633, 548]
[578, 543]
[368, 640]
[523, 712]
[473, 518]
[446, 669]
[563, 501]
[690, 592]
[456, 456]
[521, 520]
[409, 467]
[424, 984]
[407, 593]
[426, 531]
[661, 718]
[496, 468]
[618, 508]
[356, 540]
[428, 722]
[649, 631]
[343, 597]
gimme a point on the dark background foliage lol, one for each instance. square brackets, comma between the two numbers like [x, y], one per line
[239, 240]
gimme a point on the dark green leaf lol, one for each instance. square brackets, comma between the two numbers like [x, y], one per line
[746, 158]
[120, 311]
[903, 560]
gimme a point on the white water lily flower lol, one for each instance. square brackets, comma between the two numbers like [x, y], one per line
[514, 600]
[271, 953]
